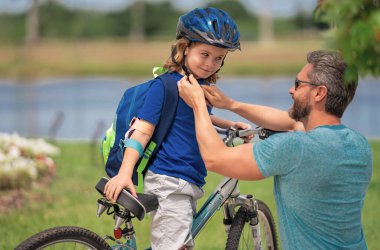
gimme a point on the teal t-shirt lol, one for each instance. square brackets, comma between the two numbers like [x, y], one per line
[320, 180]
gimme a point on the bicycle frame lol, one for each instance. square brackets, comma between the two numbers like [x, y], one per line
[226, 194]
[213, 203]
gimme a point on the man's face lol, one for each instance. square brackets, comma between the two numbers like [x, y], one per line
[301, 107]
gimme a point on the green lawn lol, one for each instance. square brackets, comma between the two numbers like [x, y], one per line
[71, 200]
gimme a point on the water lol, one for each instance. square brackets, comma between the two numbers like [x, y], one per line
[83, 108]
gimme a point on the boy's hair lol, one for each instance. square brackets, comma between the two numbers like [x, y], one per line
[177, 58]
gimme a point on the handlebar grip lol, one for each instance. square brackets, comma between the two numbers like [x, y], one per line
[245, 132]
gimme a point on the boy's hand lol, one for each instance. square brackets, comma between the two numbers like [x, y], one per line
[116, 184]
[243, 125]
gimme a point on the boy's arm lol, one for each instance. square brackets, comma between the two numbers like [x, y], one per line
[142, 133]
[220, 122]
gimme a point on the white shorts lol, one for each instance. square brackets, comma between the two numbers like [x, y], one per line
[172, 221]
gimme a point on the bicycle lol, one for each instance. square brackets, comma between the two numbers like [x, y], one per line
[248, 222]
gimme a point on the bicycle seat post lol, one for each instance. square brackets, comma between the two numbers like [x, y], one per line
[128, 231]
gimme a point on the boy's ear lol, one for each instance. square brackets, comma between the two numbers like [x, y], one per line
[186, 51]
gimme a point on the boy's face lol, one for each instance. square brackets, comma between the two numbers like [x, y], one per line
[203, 60]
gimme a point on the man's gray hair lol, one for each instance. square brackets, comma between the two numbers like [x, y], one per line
[329, 69]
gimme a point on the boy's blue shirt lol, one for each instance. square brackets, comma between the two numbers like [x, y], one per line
[179, 154]
[320, 180]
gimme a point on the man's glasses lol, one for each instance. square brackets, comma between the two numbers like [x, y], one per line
[297, 83]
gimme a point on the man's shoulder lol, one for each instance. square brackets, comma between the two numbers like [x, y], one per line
[292, 140]
[343, 132]
[288, 137]
[280, 153]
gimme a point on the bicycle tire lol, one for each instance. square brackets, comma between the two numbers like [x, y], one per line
[66, 237]
[267, 228]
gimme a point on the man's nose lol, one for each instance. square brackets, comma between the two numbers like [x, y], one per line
[291, 90]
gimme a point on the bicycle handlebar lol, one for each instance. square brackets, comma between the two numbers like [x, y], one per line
[232, 133]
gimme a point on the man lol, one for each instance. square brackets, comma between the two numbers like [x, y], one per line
[321, 172]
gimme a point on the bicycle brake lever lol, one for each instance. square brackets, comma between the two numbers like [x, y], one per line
[231, 135]
[264, 133]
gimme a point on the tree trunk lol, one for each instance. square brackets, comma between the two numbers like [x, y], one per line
[266, 23]
[32, 32]
[138, 24]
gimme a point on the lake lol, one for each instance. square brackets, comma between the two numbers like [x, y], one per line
[83, 108]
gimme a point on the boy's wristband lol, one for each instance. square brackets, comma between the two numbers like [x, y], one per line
[136, 145]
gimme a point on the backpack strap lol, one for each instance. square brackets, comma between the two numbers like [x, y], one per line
[169, 109]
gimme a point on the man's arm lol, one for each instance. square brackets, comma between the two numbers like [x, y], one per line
[264, 116]
[237, 162]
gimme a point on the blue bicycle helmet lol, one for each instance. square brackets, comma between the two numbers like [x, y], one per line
[211, 26]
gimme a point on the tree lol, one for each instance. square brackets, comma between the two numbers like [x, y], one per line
[355, 31]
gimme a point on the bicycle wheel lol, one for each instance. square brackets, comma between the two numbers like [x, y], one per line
[241, 236]
[67, 237]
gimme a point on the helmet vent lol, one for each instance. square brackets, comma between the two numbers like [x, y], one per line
[215, 25]
[226, 32]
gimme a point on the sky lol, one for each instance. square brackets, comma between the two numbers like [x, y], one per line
[277, 8]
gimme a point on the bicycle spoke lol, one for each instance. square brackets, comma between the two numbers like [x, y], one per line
[67, 245]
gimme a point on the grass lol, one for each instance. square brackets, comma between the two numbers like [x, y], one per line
[123, 58]
[71, 200]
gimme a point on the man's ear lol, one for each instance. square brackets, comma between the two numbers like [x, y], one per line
[321, 93]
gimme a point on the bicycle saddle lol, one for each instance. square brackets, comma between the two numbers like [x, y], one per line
[145, 203]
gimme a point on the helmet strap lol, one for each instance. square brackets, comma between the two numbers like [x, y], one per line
[174, 52]
[184, 67]
[220, 66]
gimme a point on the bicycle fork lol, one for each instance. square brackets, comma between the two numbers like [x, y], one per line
[248, 202]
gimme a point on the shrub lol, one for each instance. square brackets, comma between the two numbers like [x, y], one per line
[23, 161]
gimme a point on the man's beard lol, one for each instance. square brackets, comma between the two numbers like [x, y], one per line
[300, 110]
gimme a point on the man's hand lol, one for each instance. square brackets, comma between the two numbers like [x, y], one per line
[190, 91]
[216, 98]
[116, 184]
